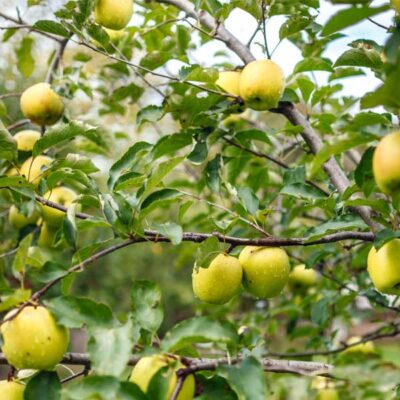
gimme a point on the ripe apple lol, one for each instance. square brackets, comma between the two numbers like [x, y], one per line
[19, 220]
[147, 367]
[384, 269]
[62, 196]
[26, 139]
[229, 82]
[265, 270]
[41, 104]
[327, 394]
[364, 348]
[33, 340]
[33, 168]
[11, 390]
[261, 84]
[302, 276]
[386, 163]
[46, 236]
[218, 283]
[113, 15]
[396, 5]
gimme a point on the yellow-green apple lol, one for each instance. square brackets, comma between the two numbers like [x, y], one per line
[302, 276]
[265, 270]
[262, 84]
[364, 348]
[327, 394]
[32, 168]
[396, 5]
[386, 163]
[113, 14]
[26, 139]
[384, 267]
[18, 220]
[46, 236]
[229, 82]
[60, 195]
[147, 367]
[33, 339]
[41, 104]
[218, 283]
[11, 390]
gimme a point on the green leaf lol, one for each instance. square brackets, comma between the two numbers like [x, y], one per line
[155, 59]
[207, 251]
[102, 388]
[199, 330]
[170, 144]
[195, 73]
[52, 27]
[147, 313]
[199, 153]
[384, 236]
[51, 270]
[22, 254]
[149, 114]
[75, 312]
[64, 132]
[17, 297]
[25, 60]
[249, 200]
[246, 378]
[160, 196]
[173, 232]
[8, 146]
[69, 225]
[350, 16]
[313, 64]
[110, 349]
[303, 191]
[360, 57]
[363, 174]
[294, 25]
[320, 312]
[44, 385]
[212, 171]
[126, 161]
[344, 222]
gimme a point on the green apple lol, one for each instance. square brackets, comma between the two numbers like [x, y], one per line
[327, 394]
[302, 276]
[262, 84]
[229, 82]
[18, 220]
[26, 139]
[384, 268]
[147, 367]
[218, 283]
[364, 348]
[115, 36]
[41, 104]
[33, 339]
[113, 14]
[33, 168]
[62, 196]
[386, 163]
[265, 270]
[11, 390]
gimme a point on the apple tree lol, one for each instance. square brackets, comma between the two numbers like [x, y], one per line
[183, 216]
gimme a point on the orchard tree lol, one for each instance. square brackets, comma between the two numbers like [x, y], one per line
[150, 127]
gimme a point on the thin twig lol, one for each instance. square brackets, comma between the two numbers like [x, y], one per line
[18, 124]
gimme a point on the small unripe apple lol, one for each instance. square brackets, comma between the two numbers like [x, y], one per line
[32, 168]
[26, 139]
[33, 339]
[11, 390]
[386, 163]
[147, 367]
[265, 270]
[19, 220]
[113, 14]
[327, 394]
[62, 196]
[41, 104]
[229, 82]
[364, 348]
[218, 283]
[262, 84]
[383, 267]
[302, 276]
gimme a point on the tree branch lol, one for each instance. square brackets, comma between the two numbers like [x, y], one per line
[56, 60]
